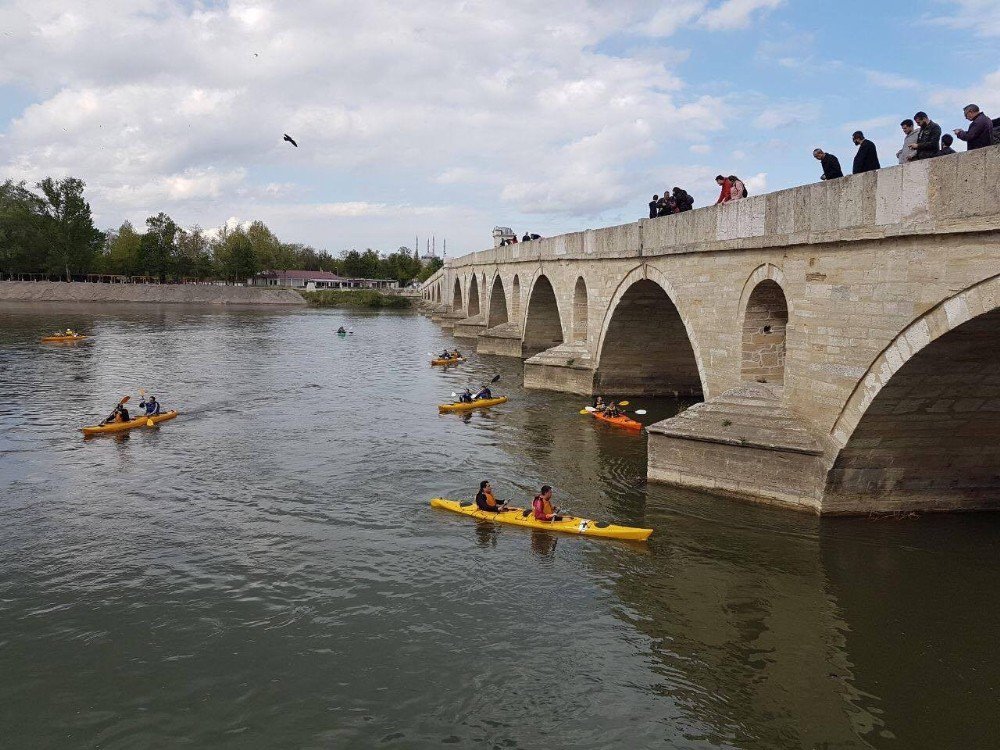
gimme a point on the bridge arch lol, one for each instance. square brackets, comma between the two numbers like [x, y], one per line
[764, 320]
[923, 425]
[473, 296]
[542, 321]
[580, 305]
[456, 297]
[497, 312]
[646, 346]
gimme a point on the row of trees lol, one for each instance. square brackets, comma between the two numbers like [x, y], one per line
[51, 232]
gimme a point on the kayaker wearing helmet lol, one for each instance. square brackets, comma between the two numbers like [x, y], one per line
[151, 405]
[542, 506]
[486, 501]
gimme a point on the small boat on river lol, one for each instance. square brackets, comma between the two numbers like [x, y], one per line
[141, 421]
[568, 525]
[479, 403]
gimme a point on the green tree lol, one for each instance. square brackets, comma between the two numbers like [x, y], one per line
[68, 225]
[433, 266]
[22, 240]
[122, 257]
[194, 259]
[266, 246]
[235, 255]
[158, 248]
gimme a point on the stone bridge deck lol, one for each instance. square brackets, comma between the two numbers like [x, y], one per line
[844, 335]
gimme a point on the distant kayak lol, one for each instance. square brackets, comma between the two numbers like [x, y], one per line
[477, 404]
[77, 337]
[446, 362]
[620, 421]
[569, 524]
[131, 424]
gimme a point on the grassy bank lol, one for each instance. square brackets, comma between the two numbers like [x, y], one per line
[365, 298]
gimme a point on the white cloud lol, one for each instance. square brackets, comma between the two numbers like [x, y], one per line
[891, 80]
[700, 148]
[787, 114]
[178, 106]
[982, 16]
[735, 14]
[756, 185]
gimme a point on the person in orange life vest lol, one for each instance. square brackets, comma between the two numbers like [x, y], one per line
[542, 506]
[486, 501]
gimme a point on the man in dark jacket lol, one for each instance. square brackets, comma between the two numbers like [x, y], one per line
[831, 165]
[653, 206]
[946, 141]
[928, 140]
[866, 160]
[980, 132]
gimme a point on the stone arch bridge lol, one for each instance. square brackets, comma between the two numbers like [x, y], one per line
[844, 336]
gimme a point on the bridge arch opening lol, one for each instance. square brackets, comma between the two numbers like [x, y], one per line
[765, 323]
[498, 304]
[456, 297]
[930, 437]
[473, 296]
[580, 312]
[646, 349]
[542, 325]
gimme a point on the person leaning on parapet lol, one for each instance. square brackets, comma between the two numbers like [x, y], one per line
[653, 206]
[928, 137]
[727, 189]
[831, 164]
[666, 205]
[866, 160]
[946, 141]
[739, 189]
[980, 132]
[682, 200]
[905, 154]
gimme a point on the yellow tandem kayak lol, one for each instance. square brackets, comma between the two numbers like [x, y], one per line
[60, 339]
[446, 362]
[477, 404]
[132, 423]
[569, 525]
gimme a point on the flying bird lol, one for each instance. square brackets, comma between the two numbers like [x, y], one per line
[290, 140]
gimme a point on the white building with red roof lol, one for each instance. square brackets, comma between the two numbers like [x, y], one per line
[309, 280]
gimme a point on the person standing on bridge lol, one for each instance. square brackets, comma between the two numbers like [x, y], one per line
[980, 132]
[683, 200]
[654, 206]
[831, 164]
[946, 141]
[928, 137]
[866, 160]
[905, 154]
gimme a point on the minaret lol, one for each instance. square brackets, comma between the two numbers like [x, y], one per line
[433, 245]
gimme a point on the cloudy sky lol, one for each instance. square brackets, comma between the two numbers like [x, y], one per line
[449, 117]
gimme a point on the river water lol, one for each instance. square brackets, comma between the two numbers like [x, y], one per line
[265, 571]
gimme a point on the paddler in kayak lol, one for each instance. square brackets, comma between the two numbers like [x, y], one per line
[151, 405]
[342, 330]
[484, 392]
[487, 502]
[599, 404]
[611, 410]
[542, 506]
[465, 397]
[445, 355]
[120, 414]
[456, 354]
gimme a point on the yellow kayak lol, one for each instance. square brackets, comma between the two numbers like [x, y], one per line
[132, 423]
[569, 525]
[76, 337]
[480, 403]
[446, 362]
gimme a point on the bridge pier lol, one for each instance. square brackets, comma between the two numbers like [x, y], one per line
[745, 444]
[470, 328]
[566, 368]
[449, 320]
[503, 340]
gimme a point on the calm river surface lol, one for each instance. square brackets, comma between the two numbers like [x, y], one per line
[265, 571]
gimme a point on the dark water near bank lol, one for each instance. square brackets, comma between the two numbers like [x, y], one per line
[265, 571]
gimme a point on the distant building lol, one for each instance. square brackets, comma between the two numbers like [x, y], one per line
[503, 233]
[310, 280]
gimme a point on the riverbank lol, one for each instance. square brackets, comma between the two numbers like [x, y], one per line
[195, 294]
[362, 298]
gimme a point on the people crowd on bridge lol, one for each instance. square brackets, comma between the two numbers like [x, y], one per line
[922, 139]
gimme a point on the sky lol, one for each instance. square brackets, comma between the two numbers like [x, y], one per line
[447, 118]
